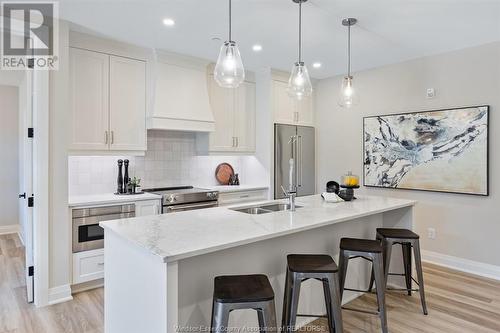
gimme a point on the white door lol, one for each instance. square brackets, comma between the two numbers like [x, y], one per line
[127, 104]
[244, 117]
[26, 177]
[222, 104]
[89, 91]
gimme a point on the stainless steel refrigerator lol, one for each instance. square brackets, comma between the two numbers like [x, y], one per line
[297, 142]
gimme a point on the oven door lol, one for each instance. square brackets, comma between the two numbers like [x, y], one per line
[192, 206]
[88, 235]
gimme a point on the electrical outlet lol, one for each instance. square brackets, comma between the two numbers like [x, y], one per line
[431, 233]
[431, 93]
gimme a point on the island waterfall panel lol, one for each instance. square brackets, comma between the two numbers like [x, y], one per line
[442, 150]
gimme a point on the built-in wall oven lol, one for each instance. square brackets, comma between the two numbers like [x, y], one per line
[87, 234]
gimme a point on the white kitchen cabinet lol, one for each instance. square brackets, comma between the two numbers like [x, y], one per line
[288, 110]
[89, 95]
[149, 207]
[108, 102]
[127, 104]
[88, 266]
[231, 198]
[234, 113]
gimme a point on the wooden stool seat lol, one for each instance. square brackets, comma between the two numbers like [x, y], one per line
[397, 233]
[311, 263]
[360, 245]
[242, 288]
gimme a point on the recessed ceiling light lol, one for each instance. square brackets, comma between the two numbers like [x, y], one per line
[168, 22]
[317, 65]
[257, 48]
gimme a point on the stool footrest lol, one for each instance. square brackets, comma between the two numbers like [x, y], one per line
[402, 289]
[376, 313]
[312, 316]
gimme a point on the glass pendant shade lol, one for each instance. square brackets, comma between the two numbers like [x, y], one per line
[347, 93]
[299, 84]
[229, 71]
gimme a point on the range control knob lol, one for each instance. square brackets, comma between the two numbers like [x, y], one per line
[212, 195]
[171, 198]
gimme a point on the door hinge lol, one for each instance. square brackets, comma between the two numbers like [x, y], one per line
[31, 271]
[31, 201]
[31, 132]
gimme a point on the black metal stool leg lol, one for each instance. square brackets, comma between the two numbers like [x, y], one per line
[343, 262]
[328, 305]
[336, 309]
[286, 302]
[386, 255]
[380, 283]
[294, 302]
[420, 274]
[407, 265]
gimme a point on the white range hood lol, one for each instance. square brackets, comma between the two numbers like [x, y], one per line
[181, 101]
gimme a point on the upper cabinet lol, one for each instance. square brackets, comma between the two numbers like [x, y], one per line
[234, 113]
[288, 110]
[107, 102]
[181, 95]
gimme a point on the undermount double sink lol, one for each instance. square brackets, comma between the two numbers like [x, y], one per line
[264, 209]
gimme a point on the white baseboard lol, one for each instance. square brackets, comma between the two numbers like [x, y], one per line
[10, 229]
[463, 265]
[60, 294]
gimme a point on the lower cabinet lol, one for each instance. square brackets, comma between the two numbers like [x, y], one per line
[231, 198]
[145, 208]
[88, 266]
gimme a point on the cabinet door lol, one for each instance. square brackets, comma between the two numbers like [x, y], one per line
[222, 104]
[244, 117]
[305, 112]
[285, 107]
[145, 208]
[127, 104]
[89, 91]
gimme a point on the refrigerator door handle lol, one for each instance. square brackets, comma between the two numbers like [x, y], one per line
[299, 160]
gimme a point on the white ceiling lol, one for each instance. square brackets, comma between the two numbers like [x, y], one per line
[388, 31]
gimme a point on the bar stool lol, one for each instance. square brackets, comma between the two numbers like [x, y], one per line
[302, 267]
[371, 250]
[236, 292]
[408, 240]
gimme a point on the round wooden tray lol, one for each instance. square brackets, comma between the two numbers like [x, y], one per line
[223, 173]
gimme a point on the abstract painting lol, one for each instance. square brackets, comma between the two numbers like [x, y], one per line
[442, 150]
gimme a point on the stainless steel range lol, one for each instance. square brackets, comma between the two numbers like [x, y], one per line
[176, 199]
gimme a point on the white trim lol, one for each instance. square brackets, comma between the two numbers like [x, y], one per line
[461, 264]
[20, 234]
[59, 294]
[10, 229]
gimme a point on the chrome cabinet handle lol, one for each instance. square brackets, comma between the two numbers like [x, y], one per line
[112, 137]
[100, 264]
[237, 141]
[106, 137]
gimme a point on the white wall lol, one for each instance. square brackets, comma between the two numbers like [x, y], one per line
[171, 160]
[467, 226]
[9, 150]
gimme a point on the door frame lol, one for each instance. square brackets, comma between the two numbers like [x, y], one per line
[40, 105]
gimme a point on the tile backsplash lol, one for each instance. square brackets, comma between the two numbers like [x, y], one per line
[170, 160]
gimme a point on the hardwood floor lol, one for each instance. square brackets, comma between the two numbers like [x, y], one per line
[457, 302]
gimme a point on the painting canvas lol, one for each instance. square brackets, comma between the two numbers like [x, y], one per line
[442, 150]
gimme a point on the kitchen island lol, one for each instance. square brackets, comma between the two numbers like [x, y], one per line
[159, 269]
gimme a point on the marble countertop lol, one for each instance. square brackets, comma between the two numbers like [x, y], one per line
[108, 198]
[177, 236]
[234, 188]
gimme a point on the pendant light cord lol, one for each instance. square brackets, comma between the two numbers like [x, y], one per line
[230, 21]
[300, 31]
[349, 50]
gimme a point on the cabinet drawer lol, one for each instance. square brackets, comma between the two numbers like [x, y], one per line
[243, 196]
[88, 265]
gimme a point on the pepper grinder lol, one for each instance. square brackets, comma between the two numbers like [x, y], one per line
[119, 181]
[126, 180]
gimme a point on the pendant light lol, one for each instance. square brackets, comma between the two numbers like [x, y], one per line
[347, 93]
[229, 71]
[299, 84]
